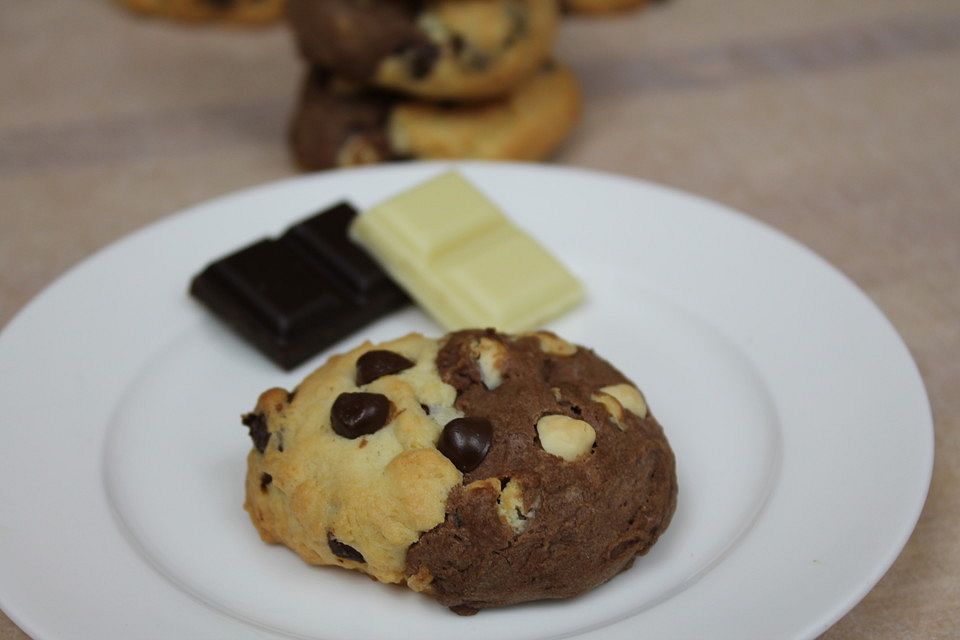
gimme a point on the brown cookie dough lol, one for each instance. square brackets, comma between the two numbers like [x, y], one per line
[340, 124]
[482, 469]
[240, 11]
[440, 49]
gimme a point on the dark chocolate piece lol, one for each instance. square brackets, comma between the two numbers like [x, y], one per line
[296, 295]
[421, 59]
[378, 363]
[359, 414]
[344, 551]
[466, 441]
[265, 479]
[257, 424]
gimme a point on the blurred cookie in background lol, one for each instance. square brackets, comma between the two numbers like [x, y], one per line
[437, 49]
[603, 7]
[338, 123]
[237, 11]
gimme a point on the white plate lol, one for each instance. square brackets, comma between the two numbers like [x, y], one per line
[801, 427]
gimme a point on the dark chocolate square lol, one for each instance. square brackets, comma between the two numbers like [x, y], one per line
[294, 296]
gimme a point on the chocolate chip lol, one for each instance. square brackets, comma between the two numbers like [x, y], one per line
[257, 423]
[344, 551]
[425, 408]
[457, 43]
[357, 414]
[378, 363]
[477, 60]
[421, 59]
[464, 610]
[466, 441]
[265, 479]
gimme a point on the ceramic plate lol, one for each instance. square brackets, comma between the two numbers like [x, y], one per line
[800, 424]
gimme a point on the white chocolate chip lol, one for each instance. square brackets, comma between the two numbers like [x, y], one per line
[512, 510]
[614, 408]
[565, 437]
[442, 414]
[357, 150]
[489, 354]
[554, 345]
[629, 397]
[421, 581]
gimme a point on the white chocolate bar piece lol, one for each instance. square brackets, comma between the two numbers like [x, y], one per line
[463, 261]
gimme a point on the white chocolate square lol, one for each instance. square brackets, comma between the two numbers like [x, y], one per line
[463, 261]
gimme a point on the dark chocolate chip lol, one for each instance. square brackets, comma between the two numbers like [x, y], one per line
[265, 479]
[257, 424]
[421, 58]
[464, 610]
[344, 551]
[466, 441]
[378, 363]
[357, 414]
[457, 43]
[425, 408]
[477, 60]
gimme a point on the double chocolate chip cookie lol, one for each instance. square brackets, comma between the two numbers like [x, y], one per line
[341, 124]
[482, 469]
[438, 49]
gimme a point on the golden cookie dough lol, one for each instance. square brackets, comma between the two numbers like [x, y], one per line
[316, 491]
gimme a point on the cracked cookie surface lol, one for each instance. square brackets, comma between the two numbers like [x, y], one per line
[483, 469]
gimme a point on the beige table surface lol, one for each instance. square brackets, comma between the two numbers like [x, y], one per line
[836, 121]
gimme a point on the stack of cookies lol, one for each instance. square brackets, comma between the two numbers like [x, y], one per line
[397, 79]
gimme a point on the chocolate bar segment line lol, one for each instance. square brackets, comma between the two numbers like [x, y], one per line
[294, 296]
[323, 239]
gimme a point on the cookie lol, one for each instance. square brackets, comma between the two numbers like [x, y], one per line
[341, 124]
[601, 6]
[482, 469]
[242, 11]
[439, 49]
